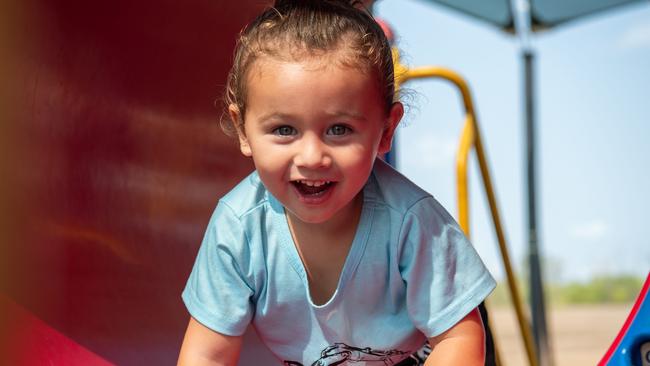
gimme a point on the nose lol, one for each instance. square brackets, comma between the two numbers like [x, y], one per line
[313, 153]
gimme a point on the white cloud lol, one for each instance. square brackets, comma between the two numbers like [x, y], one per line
[591, 230]
[637, 36]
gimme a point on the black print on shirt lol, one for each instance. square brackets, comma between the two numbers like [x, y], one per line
[342, 354]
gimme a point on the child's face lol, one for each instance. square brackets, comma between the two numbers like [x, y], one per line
[313, 129]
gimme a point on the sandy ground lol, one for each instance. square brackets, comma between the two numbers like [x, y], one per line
[579, 335]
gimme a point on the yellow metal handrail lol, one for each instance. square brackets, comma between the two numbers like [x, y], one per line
[471, 137]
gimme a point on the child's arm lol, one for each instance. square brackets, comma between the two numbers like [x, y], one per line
[462, 344]
[203, 346]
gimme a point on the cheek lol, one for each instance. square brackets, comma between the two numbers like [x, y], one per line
[273, 177]
[357, 161]
[360, 153]
[270, 163]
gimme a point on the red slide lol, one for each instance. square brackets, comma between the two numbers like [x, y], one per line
[112, 161]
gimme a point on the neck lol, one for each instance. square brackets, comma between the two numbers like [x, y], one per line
[343, 221]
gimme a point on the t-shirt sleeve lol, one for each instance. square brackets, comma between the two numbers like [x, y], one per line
[218, 293]
[445, 277]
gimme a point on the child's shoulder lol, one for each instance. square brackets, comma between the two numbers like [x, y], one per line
[396, 190]
[247, 195]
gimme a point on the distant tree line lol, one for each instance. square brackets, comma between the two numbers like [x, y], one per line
[604, 289]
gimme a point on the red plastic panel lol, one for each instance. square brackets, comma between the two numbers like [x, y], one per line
[113, 160]
[35, 343]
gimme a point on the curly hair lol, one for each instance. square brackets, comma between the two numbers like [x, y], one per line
[296, 29]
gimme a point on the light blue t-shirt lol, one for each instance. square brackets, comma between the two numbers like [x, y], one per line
[410, 274]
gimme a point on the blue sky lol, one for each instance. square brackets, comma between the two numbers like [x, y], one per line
[593, 116]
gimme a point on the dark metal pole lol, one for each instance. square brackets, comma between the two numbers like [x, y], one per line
[522, 19]
[537, 301]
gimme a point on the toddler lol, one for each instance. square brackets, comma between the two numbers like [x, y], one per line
[333, 256]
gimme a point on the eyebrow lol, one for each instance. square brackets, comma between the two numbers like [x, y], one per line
[284, 116]
[350, 115]
[275, 115]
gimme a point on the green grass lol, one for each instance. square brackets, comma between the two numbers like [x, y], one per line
[609, 289]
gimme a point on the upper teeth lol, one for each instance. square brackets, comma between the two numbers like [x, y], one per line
[314, 183]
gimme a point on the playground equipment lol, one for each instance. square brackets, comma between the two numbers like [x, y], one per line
[112, 161]
[109, 116]
[523, 18]
[471, 139]
[631, 347]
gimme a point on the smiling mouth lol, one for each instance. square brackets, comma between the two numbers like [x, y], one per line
[312, 188]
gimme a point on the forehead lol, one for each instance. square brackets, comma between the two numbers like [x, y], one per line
[324, 72]
[339, 61]
[341, 56]
[311, 86]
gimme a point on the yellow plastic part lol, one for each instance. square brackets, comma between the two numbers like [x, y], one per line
[470, 137]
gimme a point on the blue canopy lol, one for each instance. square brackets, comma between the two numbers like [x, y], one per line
[544, 14]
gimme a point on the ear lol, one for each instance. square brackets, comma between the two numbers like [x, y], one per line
[394, 116]
[236, 117]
